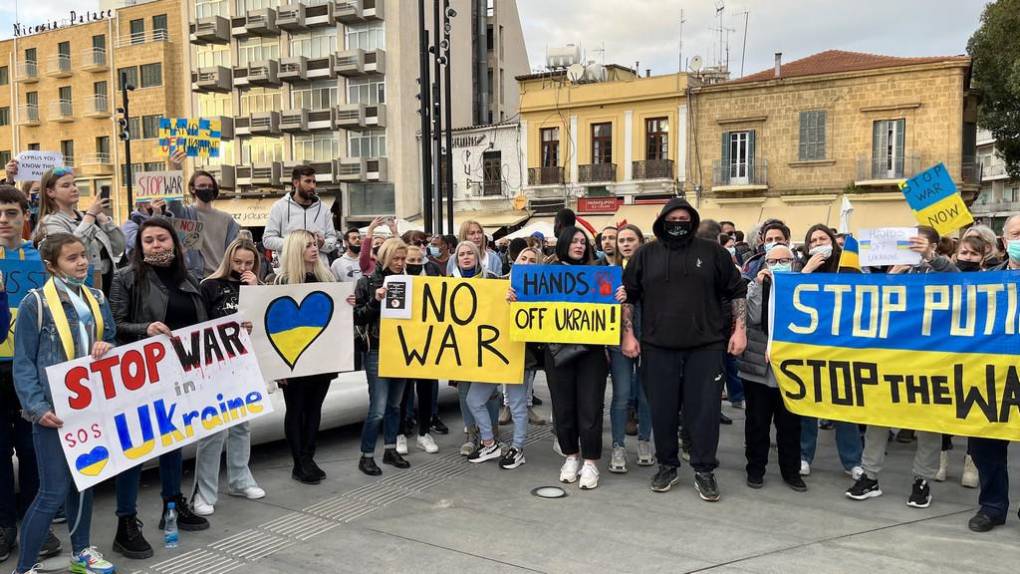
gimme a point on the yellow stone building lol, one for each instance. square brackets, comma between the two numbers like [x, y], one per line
[60, 89]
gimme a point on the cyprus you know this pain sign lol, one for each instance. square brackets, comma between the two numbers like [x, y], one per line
[151, 397]
[566, 304]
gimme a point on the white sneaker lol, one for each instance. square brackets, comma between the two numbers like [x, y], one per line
[970, 473]
[569, 470]
[251, 493]
[618, 463]
[401, 444]
[805, 468]
[940, 476]
[855, 473]
[200, 507]
[589, 477]
[428, 444]
[645, 455]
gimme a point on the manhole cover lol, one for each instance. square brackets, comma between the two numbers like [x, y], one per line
[549, 492]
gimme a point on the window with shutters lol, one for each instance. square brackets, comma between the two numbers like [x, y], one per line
[150, 127]
[737, 166]
[550, 147]
[887, 149]
[152, 75]
[812, 136]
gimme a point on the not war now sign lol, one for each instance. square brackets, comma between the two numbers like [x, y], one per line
[936, 202]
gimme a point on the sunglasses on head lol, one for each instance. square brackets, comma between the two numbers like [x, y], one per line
[62, 171]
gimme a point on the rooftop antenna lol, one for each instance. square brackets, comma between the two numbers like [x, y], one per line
[720, 8]
[602, 52]
[743, 50]
[680, 50]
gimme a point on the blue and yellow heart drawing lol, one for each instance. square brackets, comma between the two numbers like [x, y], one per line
[93, 462]
[292, 327]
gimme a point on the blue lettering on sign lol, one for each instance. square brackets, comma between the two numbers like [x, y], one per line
[929, 187]
[566, 283]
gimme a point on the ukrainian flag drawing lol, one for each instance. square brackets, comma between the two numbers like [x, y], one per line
[851, 258]
[293, 327]
[93, 462]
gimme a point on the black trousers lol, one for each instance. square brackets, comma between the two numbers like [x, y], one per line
[422, 388]
[304, 397]
[763, 408]
[15, 436]
[688, 379]
[578, 392]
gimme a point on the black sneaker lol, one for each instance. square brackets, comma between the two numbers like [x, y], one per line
[313, 469]
[304, 475]
[513, 458]
[129, 540]
[8, 541]
[484, 453]
[367, 465]
[796, 483]
[60, 517]
[755, 482]
[51, 547]
[920, 495]
[981, 522]
[393, 458]
[725, 420]
[536, 401]
[704, 483]
[438, 426]
[665, 478]
[864, 489]
[187, 520]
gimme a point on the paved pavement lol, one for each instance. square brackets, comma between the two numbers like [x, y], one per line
[447, 515]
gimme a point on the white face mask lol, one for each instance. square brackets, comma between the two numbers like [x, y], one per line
[825, 250]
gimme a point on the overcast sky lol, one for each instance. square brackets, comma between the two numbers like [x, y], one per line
[648, 31]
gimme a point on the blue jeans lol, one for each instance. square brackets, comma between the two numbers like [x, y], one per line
[170, 471]
[469, 418]
[480, 395]
[848, 442]
[734, 386]
[56, 489]
[627, 382]
[384, 397]
[989, 456]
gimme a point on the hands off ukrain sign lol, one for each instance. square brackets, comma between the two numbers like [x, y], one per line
[566, 304]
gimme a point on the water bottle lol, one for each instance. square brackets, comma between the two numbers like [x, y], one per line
[170, 534]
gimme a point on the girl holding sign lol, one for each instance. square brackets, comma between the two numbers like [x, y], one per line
[104, 241]
[62, 321]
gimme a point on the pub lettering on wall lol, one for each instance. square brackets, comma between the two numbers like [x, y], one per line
[74, 18]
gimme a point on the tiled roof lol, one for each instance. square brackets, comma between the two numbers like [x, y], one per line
[835, 61]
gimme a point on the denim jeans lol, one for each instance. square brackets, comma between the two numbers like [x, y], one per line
[990, 459]
[848, 442]
[56, 489]
[207, 462]
[734, 386]
[627, 381]
[384, 396]
[529, 389]
[469, 418]
[480, 395]
[170, 471]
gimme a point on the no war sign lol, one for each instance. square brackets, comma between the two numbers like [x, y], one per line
[144, 399]
[566, 304]
[936, 202]
[458, 329]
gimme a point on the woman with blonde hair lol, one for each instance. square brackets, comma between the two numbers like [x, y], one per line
[221, 291]
[384, 394]
[489, 260]
[304, 395]
[58, 213]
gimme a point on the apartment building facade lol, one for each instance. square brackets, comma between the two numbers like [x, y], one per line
[999, 197]
[59, 91]
[334, 85]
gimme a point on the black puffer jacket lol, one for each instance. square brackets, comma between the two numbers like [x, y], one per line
[752, 364]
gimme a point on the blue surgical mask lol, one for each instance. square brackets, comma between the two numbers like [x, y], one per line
[1013, 248]
[825, 250]
[732, 250]
[434, 252]
[600, 254]
[782, 268]
[73, 281]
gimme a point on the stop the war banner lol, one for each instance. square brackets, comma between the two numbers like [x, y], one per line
[935, 352]
[151, 397]
[566, 304]
[458, 329]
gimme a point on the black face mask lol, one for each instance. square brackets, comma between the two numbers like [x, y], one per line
[355, 249]
[413, 269]
[205, 194]
[968, 266]
[375, 250]
[235, 275]
[676, 229]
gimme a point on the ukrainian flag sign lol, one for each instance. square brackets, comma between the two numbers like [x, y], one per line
[566, 304]
[200, 137]
[936, 352]
[933, 197]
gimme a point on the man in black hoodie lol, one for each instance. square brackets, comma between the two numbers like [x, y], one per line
[681, 281]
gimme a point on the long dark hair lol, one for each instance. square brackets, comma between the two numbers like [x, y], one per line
[831, 264]
[138, 263]
[563, 246]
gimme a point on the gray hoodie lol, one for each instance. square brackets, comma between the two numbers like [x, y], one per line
[288, 215]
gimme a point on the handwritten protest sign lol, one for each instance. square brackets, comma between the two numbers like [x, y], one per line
[200, 137]
[459, 329]
[887, 246]
[19, 277]
[153, 185]
[566, 304]
[301, 329]
[33, 164]
[189, 231]
[934, 352]
[151, 397]
[936, 202]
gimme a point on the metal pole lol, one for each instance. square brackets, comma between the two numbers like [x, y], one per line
[129, 172]
[448, 111]
[437, 116]
[424, 110]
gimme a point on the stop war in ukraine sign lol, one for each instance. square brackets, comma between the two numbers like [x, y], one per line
[151, 397]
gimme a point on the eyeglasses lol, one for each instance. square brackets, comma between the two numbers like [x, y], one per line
[783, 261]
[61, 171]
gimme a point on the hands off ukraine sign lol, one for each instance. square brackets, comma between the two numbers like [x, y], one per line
[566, 304]
[155, 396]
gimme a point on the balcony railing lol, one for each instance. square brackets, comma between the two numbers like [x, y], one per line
[97, 158]
[98, 106]
[94, 59]
[28, 114]
[993, 170]
[740, 174]
[28, 71]
[653, 169]
[145, 37]
[61, 110]
[879, 168]
[596, 172]
[545, 175]
[349, 11]
[982, 208]
[59, 66]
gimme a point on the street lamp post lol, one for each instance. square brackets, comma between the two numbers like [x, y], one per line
[124, 121]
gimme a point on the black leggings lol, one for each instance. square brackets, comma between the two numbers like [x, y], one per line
[304, 397]
[423, 389]
[578, 392]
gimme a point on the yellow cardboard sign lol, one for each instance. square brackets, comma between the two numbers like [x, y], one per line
[459, 330]
[947, 215]
[565, 322]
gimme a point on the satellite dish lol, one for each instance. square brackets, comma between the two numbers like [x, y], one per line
[696, 63]
[575, 73]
